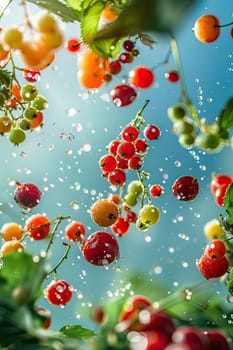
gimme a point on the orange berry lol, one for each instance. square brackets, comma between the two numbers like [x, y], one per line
[104, 212]
[37, 121]
[91, 79]
[16, 92]
[75, 231]
[11, 230]
[11, 247]
[110, 13]
[5, 124]
[35, 54]
[207, 28]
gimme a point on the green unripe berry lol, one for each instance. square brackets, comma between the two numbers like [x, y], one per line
[25, 124]
[130, 199]
[135, 187]
[208, 141]
[149, 215]
[30, 113]
[16, 136]
[40, 103]
[29, 92]
[187, 140]
[177, 112]
[2, 99]
[141, 226]
[183, 127]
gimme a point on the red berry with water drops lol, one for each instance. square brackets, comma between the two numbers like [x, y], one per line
[37, 226]
[123, 95]
[75, 231]
[211, 267]
[220, 194]
[125, 57]
[58, 292]
[108, 163]
[112, 146]
[130, 133]
[215, 249]
[30, 75]
[156, 190]
[151, 132]
[141, 77]
[117, 177]
[73, 45]
[128, 45]
[135, 163]
[131, 216]
[121, 226]
[172, 76]
[218, 180]
[27, 195]
[141, 145]
[126, 150]
[100, 248]
[185, 188]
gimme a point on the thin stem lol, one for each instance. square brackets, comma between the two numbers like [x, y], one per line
[65, 256]
[223, 25]
[5, 8]
[26, 14]
[57, 223]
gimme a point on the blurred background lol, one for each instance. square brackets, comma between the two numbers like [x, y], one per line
[62, 160]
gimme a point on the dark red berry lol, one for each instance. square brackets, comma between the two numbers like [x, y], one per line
[172, 76]
[213, 268]
[130, 133]
[141, 77]
[115, 67]
[151, 132]
[58, 292]
[126, 150]
[185, 188]
[135, 163]
[190, 336]
[98, 314]
[117, 177]
[125, 57]
[128, 45]
[123, 95]
[27, 195]
[231, 32]
[160, 322]
[217, 339]
[100, 248]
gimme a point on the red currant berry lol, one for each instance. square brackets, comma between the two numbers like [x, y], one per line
[100, 248]
[75, 231]
[135, 163]
[27, 195]
[220, 194]
[215, 249]
[131, 309]
[213, 268]
[217, 339]
[151, 132]
[141, 146]
[128, 45]
[156, 190]
[141, 77]
[31, 76]
[123, 95]
[117, 177]
[218, 180]
[46, 315]
[112, 147]
[130, 133]
[58, 292]
[231, 32]
[121, 226]
[185, 188]
[37, 226]
[159, 322]
[190, 336]
[172, 76]
[125, 57]
[73, 45]
[114, 67]
[122, 163]
[108, 163]
[131, 216]
[126, 150]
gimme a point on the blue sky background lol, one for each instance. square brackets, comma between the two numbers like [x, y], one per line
[62, 159]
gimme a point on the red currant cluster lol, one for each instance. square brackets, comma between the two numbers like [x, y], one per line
[219, 185]
[147, 329]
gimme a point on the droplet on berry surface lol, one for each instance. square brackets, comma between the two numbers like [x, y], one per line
[27, 195]
[185, 188]
[123, 95]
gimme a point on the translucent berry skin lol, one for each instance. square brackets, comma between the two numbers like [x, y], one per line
[185, 188]
[27, 195]
[151, 132]
[117, 177]
[100, 248]
[172, 76]
[142, 77]
[121, 226]
[75, 231]
[213, 268]
[37, 226]
[135, 163]
[123, 95]
[130, 133]
[156, 190]
[126, 150]
[30, 75]
[215, 249]
[58, 292]
[108, 163]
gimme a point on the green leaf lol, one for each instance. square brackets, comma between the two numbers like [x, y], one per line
[90, 21]
[77, 331]
[225, 118]
[5, 77]
[148, 15]
[228, 204]
[64, 12]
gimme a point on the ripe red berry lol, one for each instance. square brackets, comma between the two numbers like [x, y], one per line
[115, 67]
[220, 194]
[122, 163]
[126, 150]
[131, 216]
[58, 292]
[75, 231]
[107, 163]
[231, 32]
[129, 133]
[46, 315]
[141, 146]
[73, 45]
[215, 249]
[113, 145]
[135, 163]
[141, 77]
[172, 76]
[218, 180]
[121, 226]
[190, 336]
[128, 45]
[151, 132]
[156, 190]
[211, 267]
[185, 188]
[27, 195]
[123, 95]
[37, 226]
[117, 177]
[160, 322]
[125, 57]
[100, 248]
[217, 339]
[31, 76]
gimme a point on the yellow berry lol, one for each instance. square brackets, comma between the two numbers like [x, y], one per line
[12, 37]
[11, 230]
[11, 247]
[213, 230]
[45, 23]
